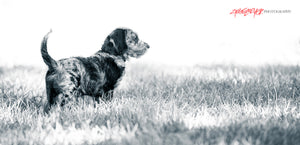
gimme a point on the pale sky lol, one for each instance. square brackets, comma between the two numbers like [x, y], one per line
[178, 32]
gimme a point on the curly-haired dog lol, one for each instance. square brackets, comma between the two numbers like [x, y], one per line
[94, 76]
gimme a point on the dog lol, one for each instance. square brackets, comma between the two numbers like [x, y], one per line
[96, 76]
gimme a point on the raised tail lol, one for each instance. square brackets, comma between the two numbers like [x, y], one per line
[46, 57]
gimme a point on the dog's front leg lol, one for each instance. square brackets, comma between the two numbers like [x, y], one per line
[107, 96]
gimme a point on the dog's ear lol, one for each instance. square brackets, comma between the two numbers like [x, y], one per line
[115, 43]
[111, 43]
[109, 46]
[119, 38]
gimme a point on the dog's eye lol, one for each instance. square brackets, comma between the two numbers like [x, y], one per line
[135, 38]
[130, 41]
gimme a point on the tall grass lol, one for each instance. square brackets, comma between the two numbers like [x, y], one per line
[160, 105]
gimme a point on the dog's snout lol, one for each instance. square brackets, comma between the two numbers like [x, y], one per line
[147, 45]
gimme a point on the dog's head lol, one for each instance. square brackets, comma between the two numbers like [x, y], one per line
[124, 42]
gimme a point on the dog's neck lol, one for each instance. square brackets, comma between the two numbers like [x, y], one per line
[119, 60]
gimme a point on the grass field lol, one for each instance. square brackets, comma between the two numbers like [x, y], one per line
[160, 105]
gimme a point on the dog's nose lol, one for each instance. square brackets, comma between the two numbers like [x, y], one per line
[147, 45]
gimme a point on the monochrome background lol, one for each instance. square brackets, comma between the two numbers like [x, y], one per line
[208, 77]
[179, 32]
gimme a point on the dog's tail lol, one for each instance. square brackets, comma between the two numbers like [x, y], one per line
[46, 57]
